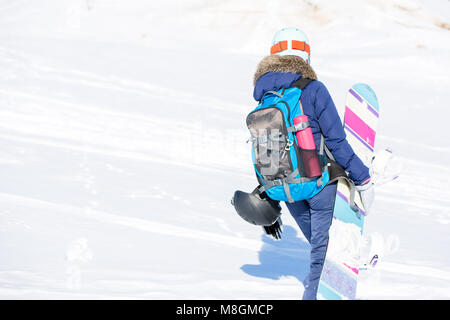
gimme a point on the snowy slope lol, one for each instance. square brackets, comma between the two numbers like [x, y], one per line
[123, 138]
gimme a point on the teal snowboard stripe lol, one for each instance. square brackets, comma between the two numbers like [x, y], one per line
[327, 292]
[343, 212]
[367, 93]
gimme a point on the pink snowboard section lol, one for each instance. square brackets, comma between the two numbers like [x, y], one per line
[353, 269]
[366, 133]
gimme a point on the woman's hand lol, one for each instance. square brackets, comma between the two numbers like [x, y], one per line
[367, 193]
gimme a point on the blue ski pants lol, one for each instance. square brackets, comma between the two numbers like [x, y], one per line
[314, 217]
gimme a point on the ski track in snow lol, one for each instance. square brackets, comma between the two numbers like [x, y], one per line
[112, 133]
[141, 224]
[93, 124]
[114, 83]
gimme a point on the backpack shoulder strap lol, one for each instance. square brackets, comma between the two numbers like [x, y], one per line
[280, 95]
[302, 83]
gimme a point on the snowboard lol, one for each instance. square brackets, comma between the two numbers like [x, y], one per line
[341, 268]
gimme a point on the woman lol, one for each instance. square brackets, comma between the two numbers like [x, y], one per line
[288, 62]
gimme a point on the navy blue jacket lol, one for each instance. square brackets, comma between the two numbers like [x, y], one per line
[323, 117]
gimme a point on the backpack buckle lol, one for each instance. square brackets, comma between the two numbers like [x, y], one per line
[289, 144]
[277, 182]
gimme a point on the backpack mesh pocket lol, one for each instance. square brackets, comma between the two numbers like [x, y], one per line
[311, 163]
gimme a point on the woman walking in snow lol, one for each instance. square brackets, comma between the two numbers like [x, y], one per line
[290, 61]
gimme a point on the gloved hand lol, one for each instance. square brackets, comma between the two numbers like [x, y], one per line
[275, 229]
[367, 193]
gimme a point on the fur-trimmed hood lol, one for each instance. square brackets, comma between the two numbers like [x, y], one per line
[286, 64]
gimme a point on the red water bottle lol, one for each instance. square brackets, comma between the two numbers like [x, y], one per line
[308, 152]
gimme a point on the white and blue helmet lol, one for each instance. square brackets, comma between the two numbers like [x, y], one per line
[291, 41]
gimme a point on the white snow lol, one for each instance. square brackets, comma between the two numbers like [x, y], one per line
[122, 138]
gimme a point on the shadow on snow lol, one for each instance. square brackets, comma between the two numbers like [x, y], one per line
[286, 257]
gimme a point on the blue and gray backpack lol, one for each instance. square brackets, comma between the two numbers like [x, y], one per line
[276, 154]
